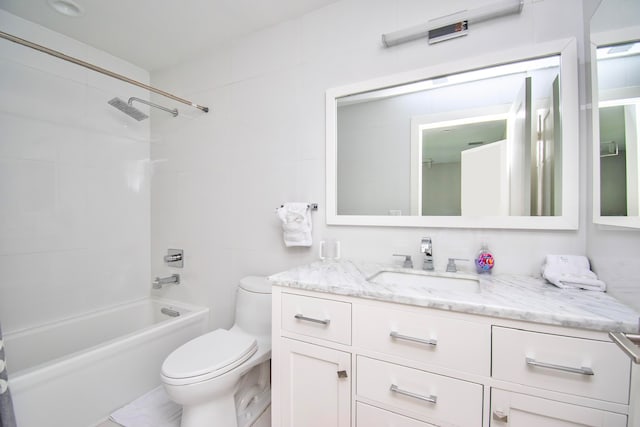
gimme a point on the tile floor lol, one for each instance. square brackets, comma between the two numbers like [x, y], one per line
[108, 423]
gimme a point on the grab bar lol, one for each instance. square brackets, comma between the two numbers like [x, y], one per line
[629, 343]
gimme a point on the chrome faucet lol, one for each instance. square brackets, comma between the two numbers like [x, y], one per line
[159, 282]
[426, 247]
[451, 264]
[408, 263]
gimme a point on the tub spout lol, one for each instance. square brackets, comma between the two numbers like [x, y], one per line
[159, 282]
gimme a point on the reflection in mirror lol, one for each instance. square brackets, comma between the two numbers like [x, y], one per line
[619, 110]
[615, 83]
[482, 143]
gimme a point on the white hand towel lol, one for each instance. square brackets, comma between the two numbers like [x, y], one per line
[571, 271]
[296, 223]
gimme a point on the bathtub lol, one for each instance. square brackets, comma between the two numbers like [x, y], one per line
[74, 373]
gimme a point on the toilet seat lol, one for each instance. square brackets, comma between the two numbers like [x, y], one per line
[207, 356]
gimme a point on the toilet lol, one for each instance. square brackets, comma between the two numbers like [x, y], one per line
[222, 378]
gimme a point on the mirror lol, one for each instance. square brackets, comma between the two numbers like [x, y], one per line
[490, 143]
[615, 60]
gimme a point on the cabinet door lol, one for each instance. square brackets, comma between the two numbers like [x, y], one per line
[316, 385]
[520, 410]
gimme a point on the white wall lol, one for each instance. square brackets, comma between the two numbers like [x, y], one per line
[220, 176]
[74, 184]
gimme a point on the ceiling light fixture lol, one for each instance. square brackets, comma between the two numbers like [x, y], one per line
[454, 25]
[66, 7]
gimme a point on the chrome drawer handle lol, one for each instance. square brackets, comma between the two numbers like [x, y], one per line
[396, 335]
[431, 399]
[311, 319]
[500, 416]
[582, 370]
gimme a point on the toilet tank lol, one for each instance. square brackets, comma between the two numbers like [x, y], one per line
[253, 305]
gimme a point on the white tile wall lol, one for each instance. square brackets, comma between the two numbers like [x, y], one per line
[263, 143]
[74, 183]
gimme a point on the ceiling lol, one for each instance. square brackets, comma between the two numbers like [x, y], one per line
[154, 34]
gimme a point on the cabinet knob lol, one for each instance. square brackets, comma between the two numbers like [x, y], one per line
[342, 374]
[500, 416]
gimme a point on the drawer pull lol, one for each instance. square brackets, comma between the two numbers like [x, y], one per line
[582, 370]
[500, 416]
[431, 399]
[311, 319]
[394, 334]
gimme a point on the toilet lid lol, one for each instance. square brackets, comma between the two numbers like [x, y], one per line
[209, 355]
[256, 284]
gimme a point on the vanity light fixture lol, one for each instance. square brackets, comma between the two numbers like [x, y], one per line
[453, 25]
[66, 7]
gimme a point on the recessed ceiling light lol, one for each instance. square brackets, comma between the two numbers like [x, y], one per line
[66, 7]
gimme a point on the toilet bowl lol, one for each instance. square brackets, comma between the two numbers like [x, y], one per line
[222, 378]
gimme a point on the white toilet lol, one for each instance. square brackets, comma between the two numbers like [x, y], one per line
[222, 378]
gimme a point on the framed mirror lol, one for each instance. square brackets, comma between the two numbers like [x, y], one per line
[488, 142]
[615, 72]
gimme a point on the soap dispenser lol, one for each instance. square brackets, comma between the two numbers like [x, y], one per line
[484, 260]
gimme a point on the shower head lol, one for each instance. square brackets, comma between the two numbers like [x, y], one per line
[128, 109]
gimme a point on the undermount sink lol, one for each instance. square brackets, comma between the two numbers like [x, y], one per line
[438, 281]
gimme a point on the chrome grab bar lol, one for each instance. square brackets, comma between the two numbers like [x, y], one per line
[629, 343]
[396, 335]
[311, 319]
[583, 370]
[431, 398]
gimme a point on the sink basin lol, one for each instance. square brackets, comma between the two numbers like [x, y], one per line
[442, 281]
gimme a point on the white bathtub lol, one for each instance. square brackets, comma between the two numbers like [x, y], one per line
[75, 372]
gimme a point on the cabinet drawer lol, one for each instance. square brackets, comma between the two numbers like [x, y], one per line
[419, 394]
[317, 317]
[423, 337]
[370, 416]
[515, 409]
[578, 366]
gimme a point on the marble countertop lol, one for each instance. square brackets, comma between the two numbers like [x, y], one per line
[505, 296]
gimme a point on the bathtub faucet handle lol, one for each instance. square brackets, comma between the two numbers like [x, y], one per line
[173, 258]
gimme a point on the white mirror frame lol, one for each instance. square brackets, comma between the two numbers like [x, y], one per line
[567, 49]
[604, 39]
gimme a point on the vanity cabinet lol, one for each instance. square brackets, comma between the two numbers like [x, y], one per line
[348, 361]
[313, 393]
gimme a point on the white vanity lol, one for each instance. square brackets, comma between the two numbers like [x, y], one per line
[508, 351]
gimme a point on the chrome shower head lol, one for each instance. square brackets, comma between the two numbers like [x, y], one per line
[128, 109]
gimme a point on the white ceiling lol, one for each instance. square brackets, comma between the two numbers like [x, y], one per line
[155, 34]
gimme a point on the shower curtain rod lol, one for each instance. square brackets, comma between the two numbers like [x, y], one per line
[101, 70]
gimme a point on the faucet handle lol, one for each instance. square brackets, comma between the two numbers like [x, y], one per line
[408, 263]
[451, 264]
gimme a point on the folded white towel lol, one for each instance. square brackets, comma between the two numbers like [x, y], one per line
[571, 271]
[296, 223]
